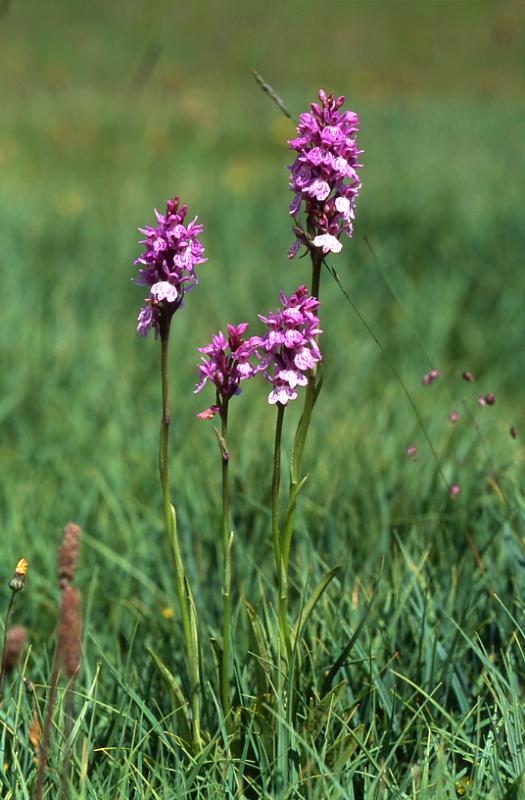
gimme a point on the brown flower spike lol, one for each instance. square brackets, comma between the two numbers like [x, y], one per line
[68, 554]
[70, 631]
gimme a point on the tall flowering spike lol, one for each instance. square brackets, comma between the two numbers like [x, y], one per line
[172, 250]
[226, 362]
[68, 554]
[289, 349]
[324, 174]
[70, 631]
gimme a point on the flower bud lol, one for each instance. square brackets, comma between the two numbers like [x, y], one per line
[18, 580]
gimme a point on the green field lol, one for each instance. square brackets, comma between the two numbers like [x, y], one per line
[108, 109]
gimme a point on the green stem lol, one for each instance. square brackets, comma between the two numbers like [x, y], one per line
[6, 625]
[282, 588]
[227, 539]
[317, 260]
[173, 538]
[310, 397]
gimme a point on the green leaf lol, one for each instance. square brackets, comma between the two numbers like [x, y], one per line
[319, 709]
[262, 661]
[181, 711]
[310, 604]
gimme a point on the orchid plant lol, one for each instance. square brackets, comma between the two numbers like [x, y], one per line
[325, 183]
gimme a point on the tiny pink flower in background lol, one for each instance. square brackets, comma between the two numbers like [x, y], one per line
[468, 376]
[412, 452]
[172, 250]
[430, 377]
[454, 490]
[453, 417]
[487, 399]
[324, 174]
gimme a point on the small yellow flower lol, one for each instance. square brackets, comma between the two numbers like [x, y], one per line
[21, 567]
[167, 613]
[18, 580]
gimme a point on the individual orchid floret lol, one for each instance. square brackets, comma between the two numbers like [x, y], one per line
[226, 362]
[289, 350]
[172, 250]
[324, 174]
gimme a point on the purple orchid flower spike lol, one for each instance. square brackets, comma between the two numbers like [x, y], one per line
[172, 250]
[289, 350]
[324, 174]
[226, 362]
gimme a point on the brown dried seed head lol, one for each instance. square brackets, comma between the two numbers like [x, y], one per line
[70, 631]
[68, 554]
[15, 641]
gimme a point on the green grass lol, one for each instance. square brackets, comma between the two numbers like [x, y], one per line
[94, 133]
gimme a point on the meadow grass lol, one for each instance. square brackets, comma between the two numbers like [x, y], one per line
[412, 662]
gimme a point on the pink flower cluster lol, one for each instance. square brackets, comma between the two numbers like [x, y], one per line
[172, 250]
[284, 355]
[225, 363]
[324, 173]
[288, 348]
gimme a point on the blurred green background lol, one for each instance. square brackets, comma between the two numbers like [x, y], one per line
[108, 109]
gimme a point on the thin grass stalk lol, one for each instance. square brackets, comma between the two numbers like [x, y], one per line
[227, 539]
[170, 519]
[46, 735]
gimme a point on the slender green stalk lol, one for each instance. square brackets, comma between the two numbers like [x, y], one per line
[227, 539]
[284, 631]
[296, 482]
[276, 485]
[171, 529]
[312, 391]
